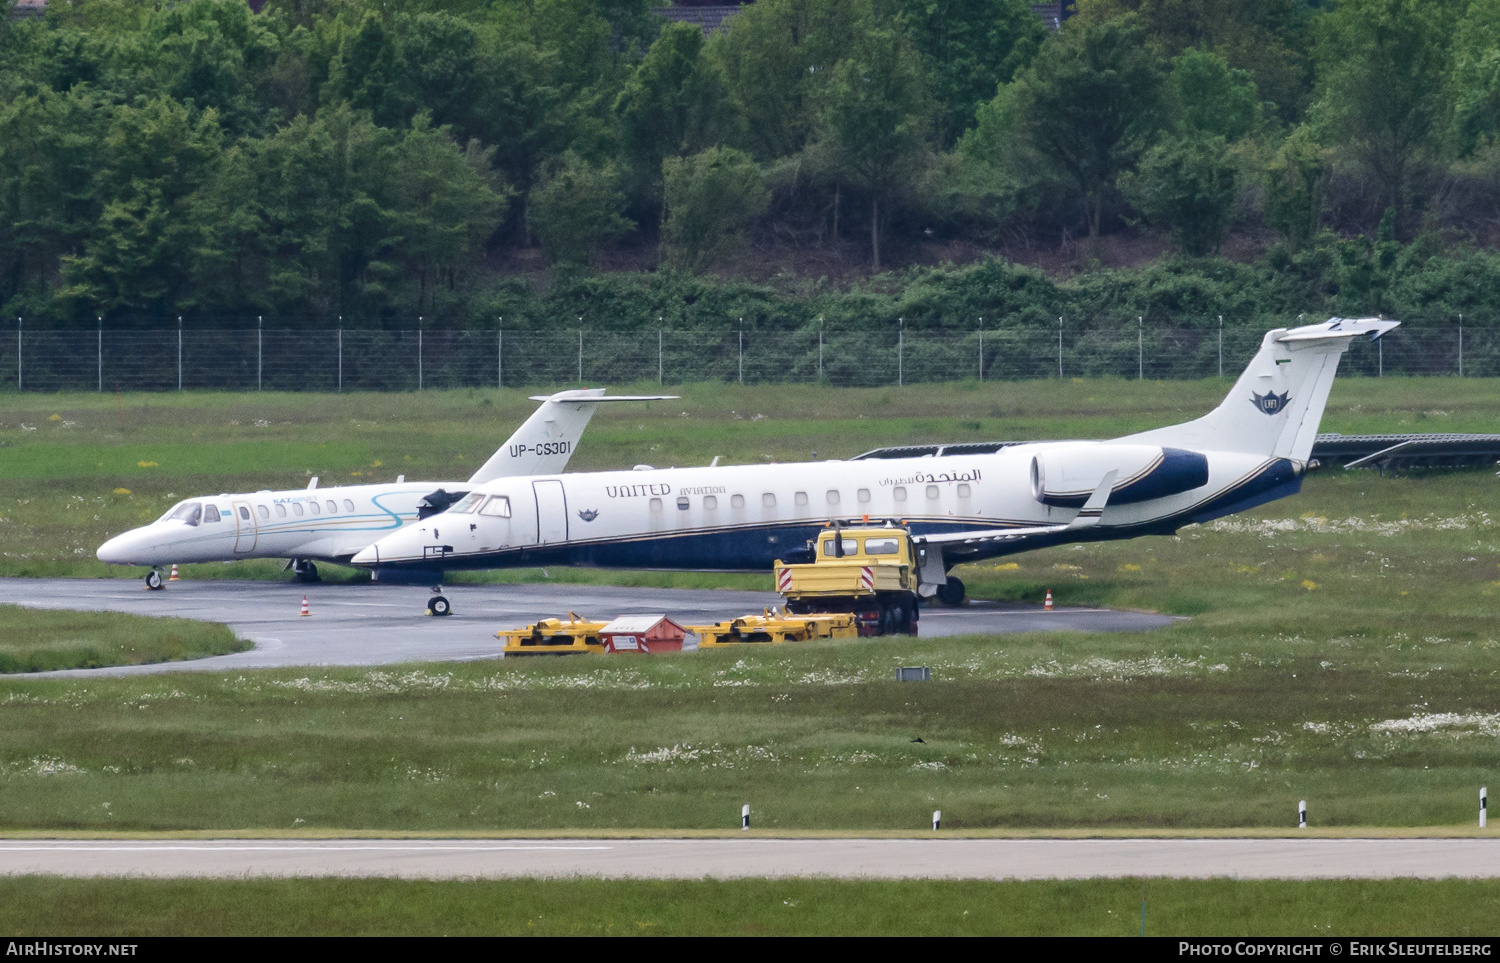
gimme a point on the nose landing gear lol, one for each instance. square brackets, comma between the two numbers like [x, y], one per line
[154, 581]
[438, 605]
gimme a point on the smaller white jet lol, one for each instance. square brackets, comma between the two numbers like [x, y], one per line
[333, 524]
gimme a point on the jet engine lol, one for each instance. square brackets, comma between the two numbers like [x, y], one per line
[1065, 476]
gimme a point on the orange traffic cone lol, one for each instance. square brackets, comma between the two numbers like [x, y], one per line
[173, 577]
[304, 606]
[1047, 606]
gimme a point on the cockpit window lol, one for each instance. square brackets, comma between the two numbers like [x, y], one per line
[498, 506]
[210, 513]
[189, 512]
[469, 504]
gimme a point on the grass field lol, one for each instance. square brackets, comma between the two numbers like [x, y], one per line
[41, 906]
[37, 641]
[1342, 648]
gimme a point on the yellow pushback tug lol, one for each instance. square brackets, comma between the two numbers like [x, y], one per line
[862, 581]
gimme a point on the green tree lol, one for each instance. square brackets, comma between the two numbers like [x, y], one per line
[446, 202]
[156, 160]
[577, 209]
[369, 72]
[1090, 102]
[1188, 185]
[969, 48]
[1293, 180]
[778, 55]
[674, 104]
[50, 149]
[1381, 89]
[710, 198]
[874, 120]
[1209, 97]
[1272, 39]
[1475, 83]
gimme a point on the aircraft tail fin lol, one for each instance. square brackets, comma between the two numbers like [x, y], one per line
[1277, 404]
[545, 441]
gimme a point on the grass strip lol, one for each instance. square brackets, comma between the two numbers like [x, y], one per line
[48, 906]
[36, 640]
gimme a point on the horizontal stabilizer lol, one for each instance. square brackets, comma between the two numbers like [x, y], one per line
[545, 442]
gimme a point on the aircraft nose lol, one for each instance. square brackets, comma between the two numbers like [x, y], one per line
[368, 556]
[123, 549]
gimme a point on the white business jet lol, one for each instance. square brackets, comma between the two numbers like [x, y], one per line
[332, 524]
[1253, 448]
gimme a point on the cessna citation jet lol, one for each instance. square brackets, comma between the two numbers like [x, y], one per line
[332, 524]
[1252, 449]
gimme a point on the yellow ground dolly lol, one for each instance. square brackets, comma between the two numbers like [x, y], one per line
[776, 629]
[569, 636]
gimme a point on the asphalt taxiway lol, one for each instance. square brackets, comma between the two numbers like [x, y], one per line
[764, 858]
[375, 624]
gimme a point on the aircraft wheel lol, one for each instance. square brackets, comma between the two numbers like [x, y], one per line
[951, 592]
[153, 580]
[306, 572]
[437, 605]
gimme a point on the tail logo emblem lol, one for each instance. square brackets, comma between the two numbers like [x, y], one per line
[1271, 403]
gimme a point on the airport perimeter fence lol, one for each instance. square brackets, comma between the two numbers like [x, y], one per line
[365, 360]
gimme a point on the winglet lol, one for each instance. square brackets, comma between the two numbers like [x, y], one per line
[1093, 509]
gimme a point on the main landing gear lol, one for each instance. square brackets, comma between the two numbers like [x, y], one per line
[304, 570]
[951, 592]
[438, 605]
[154, 581]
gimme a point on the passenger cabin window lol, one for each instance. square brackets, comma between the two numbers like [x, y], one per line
[880, 546]
[833, 497]
[768, 500]
[963, 490]
[210, 513]
[497, 507]
[736, 501]
[313, 507]
[263, 511]
[899, 493]
[831, 547]
[297, 509]
[333, 507]
[348, 505]
[189, 512]
[682, 503]
[800, 498]
[244, 513]
[710, 502]
[280, 510]
[656, 504]
[932, 491]
[469, 504]
[863, 495]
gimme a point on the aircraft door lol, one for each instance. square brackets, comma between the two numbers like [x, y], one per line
[246, 533]
[551, 512]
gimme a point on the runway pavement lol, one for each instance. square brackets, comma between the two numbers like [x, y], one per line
[729, 858]
[375, 624]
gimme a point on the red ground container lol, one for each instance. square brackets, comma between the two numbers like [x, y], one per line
[642, 634]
